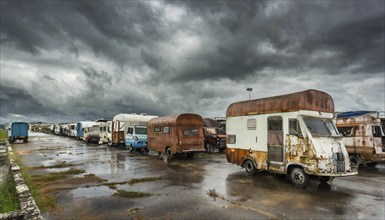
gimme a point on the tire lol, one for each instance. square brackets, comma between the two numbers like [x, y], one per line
[299, 178]
[372, 164]
[146, 148]
[190, 155]
[250, 168]
[354, 159]
[26, 140]
[209, 149]
[168, 153]
[324, 179]
[130, 148]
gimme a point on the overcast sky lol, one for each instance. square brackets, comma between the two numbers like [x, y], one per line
[72, 60]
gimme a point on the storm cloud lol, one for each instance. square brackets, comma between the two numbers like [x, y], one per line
[70, 60]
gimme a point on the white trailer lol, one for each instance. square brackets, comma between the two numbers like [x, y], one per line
[293, 134]
[121, 122]
[105, 131]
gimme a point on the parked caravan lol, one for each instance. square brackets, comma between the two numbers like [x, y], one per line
[213, 137]
[80, 126]
[120, 125]
[18, 131]
[363, 136]
[71, 130]
[92, 134]
[64, 127]
[176, 134]
[57, 129]
[105, 130]
[292, 134]
[136, 137]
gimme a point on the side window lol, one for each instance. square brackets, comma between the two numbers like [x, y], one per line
[294, 128]
[100, 129]
[376, 131]
[251, 124]
[345, 131]
[166, 130]
[231, 139]
[157, 129]
[274, 123]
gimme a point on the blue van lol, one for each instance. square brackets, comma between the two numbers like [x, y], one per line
[136, 137]
[18, 131]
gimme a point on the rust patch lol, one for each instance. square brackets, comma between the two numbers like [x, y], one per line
[312, 100]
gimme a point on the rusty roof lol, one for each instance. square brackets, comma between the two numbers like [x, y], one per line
[186, 119]
[312, 100]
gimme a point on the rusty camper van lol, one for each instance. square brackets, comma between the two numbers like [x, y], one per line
[292, 134]
[363, 136]
[177, 134]
[214, 139]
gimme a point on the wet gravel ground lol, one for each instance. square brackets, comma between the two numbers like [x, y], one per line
[183, 191]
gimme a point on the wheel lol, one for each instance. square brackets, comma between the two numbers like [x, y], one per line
[354, 159]
[209, 149]
[130, 148]
[190, 154]
[372, 164]
[250, 168]
[168, 153]
[146, 148]
[299, 178]
[26, 140]
[324, 179]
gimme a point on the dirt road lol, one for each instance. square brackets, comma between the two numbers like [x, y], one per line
[205, 187]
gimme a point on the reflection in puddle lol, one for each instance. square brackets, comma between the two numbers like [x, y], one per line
[89, 192]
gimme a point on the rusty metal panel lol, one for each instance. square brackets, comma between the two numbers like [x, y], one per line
[312, 100]
[238, 156]
[175, 138]
[178, 120]
[361, 140]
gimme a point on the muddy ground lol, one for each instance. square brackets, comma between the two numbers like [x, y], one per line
[205, 187]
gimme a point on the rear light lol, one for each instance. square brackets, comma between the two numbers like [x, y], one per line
[135, 138]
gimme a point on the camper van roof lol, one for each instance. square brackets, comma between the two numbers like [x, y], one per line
[211, 123]
[179, 120]
[353, 114]
[133, 117]
[312, 100]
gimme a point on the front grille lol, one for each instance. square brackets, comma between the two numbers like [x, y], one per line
[340, 165]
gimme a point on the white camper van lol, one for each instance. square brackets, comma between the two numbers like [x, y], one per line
[292, 134]
[105, 129]
[120, 125]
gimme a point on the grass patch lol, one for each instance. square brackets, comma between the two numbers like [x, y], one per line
[60, 165]
[44, 201]
[112, 185]
[213, 194]
[8, 197]
[57, 175]
[130, 194]
[146, 179]
[3, 134]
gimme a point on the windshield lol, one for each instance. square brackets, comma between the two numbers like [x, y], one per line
[321, 127]
[140, 130]
[211, 130]
[190, 132]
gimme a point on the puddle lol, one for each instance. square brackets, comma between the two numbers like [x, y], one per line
[92, 192]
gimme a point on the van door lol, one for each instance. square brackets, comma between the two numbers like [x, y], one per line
[275, 139]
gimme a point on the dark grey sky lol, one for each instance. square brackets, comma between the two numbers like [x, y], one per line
[71, 60]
